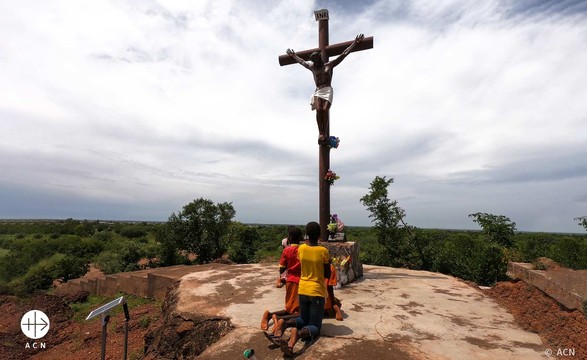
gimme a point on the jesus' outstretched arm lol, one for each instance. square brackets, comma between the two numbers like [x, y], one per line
[293, 54]
[346, 51]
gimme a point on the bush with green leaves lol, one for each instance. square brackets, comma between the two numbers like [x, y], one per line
[41, 275]
[6, 265]
[120, 257]
[199, 228]
[241, 241]
[469, 257]
[570, 252]
[491, 266]
[498, 229]
[83, 247]
[133, 231]
[533, 245]
[110, 262]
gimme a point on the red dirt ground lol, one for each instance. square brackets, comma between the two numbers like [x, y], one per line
[68, 339]
[558, 327]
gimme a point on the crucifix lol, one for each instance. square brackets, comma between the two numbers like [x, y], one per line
[318, 62]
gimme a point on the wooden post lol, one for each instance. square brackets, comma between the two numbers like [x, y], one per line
[324, 151]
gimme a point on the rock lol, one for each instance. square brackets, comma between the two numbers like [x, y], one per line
[340, 251]
[183, 335]
[75, 297]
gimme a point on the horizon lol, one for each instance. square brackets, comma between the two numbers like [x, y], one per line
[267, 224]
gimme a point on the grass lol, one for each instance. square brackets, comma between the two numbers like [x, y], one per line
[135, 355]
[145, 321]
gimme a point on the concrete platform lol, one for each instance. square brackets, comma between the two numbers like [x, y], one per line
[389, 313]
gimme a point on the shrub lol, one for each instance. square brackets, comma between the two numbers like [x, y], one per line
[69, 267]
[199, 228]
[570, 252]
[498, 229]
[470, 258]
[41, 275]
[133, 231]
[145, 321]
[109, 262]
[104, 236]
[240, 243]
[533, 245]
[492, 265]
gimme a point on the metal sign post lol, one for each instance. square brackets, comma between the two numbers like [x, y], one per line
[104, 311]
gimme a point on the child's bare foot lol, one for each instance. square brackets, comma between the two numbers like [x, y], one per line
[280, 328]
[275, 320]
[265, 320]
[293, 338]
[338, 313]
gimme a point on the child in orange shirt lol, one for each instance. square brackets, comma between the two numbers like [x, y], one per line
[332, 305]
[289, 262]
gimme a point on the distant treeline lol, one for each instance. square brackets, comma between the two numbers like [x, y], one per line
[35, 253]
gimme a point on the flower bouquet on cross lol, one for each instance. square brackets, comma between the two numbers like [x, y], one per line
[331, 177]
[335, 225]
[333, 142]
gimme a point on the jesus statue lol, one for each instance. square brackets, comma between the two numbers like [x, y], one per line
[321, 100]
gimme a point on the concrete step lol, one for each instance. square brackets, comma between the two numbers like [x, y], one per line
[568, 287]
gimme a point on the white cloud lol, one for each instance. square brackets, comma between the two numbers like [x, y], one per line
[151, 104]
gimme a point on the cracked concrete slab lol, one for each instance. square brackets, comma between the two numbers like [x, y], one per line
[391, 313]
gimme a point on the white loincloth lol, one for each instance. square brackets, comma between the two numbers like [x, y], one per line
[323, 93]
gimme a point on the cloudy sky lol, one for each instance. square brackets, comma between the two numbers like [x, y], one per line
[130, 109]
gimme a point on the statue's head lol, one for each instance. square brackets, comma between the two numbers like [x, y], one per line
[316, 58]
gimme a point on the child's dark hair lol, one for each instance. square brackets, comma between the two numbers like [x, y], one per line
[295, 235]
[313, 231]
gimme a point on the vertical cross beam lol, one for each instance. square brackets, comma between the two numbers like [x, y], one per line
[324, 151]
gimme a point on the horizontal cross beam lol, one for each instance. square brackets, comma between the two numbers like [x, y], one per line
[331, 50]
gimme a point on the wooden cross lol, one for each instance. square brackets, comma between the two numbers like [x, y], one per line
[323, 118]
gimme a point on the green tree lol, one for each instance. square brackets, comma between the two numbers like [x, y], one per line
[392, 232]
[569, 251]
[582, 220]
[133, 231]
[40, 276]
[68, 267]
[199, 228]
[241, 240]
[110, 262]
[168, 247]
[498, 229]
